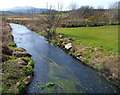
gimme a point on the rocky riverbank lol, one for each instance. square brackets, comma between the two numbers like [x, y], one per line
[17, 66]
[107, 66]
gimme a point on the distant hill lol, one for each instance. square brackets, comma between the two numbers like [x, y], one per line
[7, 13]
[24, 10]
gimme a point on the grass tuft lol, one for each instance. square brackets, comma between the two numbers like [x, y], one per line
[12, 44]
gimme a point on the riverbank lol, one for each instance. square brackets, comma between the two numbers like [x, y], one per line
[17, 65]
[106, 66]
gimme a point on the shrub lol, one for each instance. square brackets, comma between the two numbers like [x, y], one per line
[90, 18]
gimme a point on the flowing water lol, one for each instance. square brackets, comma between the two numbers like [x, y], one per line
[52, 64]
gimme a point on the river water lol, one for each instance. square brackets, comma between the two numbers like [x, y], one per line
[52, 64]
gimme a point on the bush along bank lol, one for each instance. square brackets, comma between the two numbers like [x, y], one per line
[17, 65]
[106, 65]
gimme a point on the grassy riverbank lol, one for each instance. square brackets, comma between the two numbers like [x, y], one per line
[96, 47]
[17, 66]
[105, 37]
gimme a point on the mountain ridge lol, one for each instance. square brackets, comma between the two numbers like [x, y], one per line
[25, 9]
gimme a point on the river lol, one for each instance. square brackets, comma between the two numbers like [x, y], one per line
[52, 64]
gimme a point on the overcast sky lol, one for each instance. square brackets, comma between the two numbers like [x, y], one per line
[42, 3]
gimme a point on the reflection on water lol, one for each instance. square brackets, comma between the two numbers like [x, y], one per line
[54, 65]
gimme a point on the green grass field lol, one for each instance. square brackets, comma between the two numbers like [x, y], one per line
[104, 36]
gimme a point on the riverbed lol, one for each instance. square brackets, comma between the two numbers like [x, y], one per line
[52, 64]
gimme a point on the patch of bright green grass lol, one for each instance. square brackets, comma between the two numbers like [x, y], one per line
[40, 85]
[105, 37]
[50, 84]
[12, 44]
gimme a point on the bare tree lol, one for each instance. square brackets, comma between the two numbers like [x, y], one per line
[113, 12]
[100, 7]
[73, 6]
[50, 21]
[73, 14]
[85, 11]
